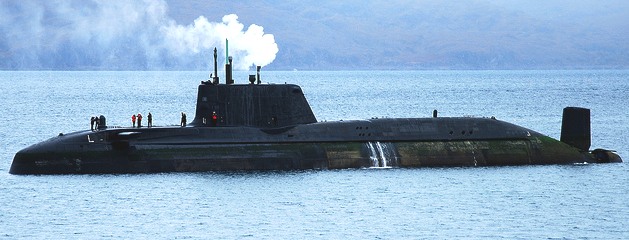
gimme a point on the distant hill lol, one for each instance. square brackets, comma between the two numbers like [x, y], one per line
[321, 35]
[410, 34]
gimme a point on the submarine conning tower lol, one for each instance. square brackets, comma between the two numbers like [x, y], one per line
[252, 105]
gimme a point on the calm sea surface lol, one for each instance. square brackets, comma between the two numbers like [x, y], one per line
[587, 201]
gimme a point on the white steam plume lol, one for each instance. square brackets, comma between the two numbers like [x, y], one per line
[250, 47]
[133, 35]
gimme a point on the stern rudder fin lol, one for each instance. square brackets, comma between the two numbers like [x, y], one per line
[575, 128]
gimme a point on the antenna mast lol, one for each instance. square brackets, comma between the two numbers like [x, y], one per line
[215, 78]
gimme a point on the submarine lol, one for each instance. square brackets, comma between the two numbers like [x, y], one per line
[254, 126]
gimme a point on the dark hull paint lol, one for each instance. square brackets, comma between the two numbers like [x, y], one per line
[424, 142]
[272, 127]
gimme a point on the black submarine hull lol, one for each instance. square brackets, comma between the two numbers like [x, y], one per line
[272, 127]
[404, 142]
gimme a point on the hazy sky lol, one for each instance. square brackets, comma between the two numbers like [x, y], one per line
[120, 35]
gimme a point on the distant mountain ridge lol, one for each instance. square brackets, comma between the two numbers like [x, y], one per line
[355, 34]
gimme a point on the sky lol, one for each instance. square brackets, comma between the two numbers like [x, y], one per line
[329, 35]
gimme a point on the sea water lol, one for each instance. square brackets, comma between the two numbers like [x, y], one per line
[586, 201]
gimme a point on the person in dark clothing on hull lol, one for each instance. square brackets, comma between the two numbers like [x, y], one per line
[139, 120]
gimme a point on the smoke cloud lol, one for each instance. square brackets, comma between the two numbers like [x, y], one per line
[121, 35]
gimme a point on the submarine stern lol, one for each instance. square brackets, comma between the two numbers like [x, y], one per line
[576, 131]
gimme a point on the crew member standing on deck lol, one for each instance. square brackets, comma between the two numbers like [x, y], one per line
[150, 119]
[139, 120]
[92, 123]
[183, 119]
[214, 118]
[133, 120]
